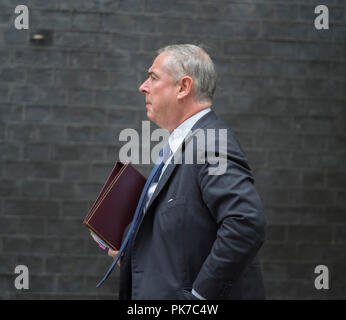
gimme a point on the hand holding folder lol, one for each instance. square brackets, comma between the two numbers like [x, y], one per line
[115, 206]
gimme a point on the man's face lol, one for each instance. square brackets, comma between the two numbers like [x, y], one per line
[160, 91]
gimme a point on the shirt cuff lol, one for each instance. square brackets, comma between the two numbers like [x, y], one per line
[197, 295]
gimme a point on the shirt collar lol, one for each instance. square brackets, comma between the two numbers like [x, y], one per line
[178, 135]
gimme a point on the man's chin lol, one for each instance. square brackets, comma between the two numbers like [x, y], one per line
[149, 115]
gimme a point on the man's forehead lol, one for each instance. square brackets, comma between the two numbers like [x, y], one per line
[158, 62]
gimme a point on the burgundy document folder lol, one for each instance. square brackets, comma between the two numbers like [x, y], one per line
[116, 204]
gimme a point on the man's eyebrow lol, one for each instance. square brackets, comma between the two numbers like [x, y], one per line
[152, 73]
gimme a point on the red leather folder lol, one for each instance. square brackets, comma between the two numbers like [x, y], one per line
[116, 204]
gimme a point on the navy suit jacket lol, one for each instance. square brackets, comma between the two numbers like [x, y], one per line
[200, 231]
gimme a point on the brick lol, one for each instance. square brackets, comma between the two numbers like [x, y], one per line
[122, 98]
[339, 235]
[211, 10]
[56, 20]
[73, 246]
[121, 117]
[82, 134]
[62, 190]
[92, 6]
[336, 179]
[51, 133]
[83, 60]
[313, 178]
[316, 142]
[285, 30]
[85, 153]
[100, 172]
[78, 115]
[315, 51]
[32, 227]
[9, 75]
[4, 56]
[85, 21]
[45, 170]
[22, 132]
[309, 234]
[75, 172]
[35, 189]
[36, 151]
[31, 207]
[314, 124]
[72, 265]
[119, 22]
[340, 200]
[314, 197]
[2, 131]
[275, 234]
[285, 12]
[38, 113]
[284, 49]
[248, 11]
[279, 141]
[169, 25]
[73, 228]
[130, 6]
[125, 42]
[274, 271]
[115, 61]
[247, 48]
[88, 191]
[316, 159]
[280, 123]
[80, 97]
[75, 209]
[12, 37]
[82, 40]
[278, 252]
[97, 79]
[43, 283]
[35, 94]
[9, 226]
[9, 151]
[279, 177]
[40, 58]
[176, 8]
[39, 77]
[11, 112]
[107, 287]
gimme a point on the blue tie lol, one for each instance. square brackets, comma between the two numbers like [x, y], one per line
[153, 177]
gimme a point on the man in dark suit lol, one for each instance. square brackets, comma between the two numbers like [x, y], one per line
[202, 228]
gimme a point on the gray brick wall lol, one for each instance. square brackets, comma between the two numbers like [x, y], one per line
[62, 105]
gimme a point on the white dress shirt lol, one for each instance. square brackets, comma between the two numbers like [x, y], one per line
[175, 139]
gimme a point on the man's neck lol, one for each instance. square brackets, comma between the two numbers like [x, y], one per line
[187, 115]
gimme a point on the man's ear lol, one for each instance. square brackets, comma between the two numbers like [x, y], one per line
[185, 87]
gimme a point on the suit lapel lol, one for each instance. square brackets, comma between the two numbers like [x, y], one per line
[170, 167]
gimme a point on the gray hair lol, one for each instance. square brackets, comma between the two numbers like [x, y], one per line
[191, 60]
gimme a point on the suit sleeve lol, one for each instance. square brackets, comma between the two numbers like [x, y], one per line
[237, 209]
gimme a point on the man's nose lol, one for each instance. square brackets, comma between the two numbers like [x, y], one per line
[144, 87]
